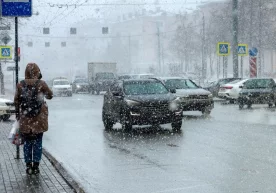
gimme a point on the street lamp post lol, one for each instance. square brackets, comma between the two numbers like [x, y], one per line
[235, 39]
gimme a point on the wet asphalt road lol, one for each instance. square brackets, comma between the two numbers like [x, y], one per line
[231, 151]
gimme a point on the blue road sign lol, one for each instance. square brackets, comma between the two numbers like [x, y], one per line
[242, 49]
[253, 51]
[223, 49]
[16, 8]
[5, 52]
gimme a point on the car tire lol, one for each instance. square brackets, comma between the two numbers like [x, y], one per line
[70, 94]
[232, 101]
[241, 106]
[270, 105]
[206, 112]
[108, 124]
[176, 126]
[126, 122]
[6, 117]
[98, 92]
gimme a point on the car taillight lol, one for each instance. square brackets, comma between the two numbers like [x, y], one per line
[228, 87]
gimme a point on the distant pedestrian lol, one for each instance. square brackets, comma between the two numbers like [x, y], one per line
[33, 114]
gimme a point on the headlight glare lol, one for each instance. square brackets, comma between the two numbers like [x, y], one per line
[131, 103]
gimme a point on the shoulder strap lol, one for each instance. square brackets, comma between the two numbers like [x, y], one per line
[36, 83]
[23, 82]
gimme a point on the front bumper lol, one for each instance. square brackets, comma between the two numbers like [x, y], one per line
[138, 119]
[245, 99]
[62, 92]
[82, 89]
[7, 110]
[197, 104]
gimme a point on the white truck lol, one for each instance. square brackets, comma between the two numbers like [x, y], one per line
[101, 75]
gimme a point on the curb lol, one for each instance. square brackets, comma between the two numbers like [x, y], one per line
[63, 172]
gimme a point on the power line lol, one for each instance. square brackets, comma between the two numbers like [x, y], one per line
[117, 4]
[57, 15]
[73, 10]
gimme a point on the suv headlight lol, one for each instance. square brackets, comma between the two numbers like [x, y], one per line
[174, 105]
[210, 96]
[78, 86]
[132, 103]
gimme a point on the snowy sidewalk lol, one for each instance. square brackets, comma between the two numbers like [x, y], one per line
[13, 178]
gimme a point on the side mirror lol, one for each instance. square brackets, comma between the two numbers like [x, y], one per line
[173, 91]
[117, 94]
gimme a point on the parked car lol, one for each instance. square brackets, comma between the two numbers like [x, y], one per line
[213, 87]
[257, 91]
[62, 87]
[231, 90]
[192, 97]
[80, 85]
[7, 108]
[140, 102]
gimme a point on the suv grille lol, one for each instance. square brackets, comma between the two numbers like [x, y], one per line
[198, 97]
[158, 108]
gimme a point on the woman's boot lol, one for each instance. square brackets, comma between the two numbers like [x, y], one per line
[36, 168]
[29, 169]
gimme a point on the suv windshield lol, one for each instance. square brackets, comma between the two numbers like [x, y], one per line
[61, 82]
[180, 84]
[258, 83]
[105, 76]
[144, 88]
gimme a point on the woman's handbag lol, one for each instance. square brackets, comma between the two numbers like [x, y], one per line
[15, 137]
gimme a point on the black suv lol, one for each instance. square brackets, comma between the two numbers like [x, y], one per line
[140, 102]
[257, 91]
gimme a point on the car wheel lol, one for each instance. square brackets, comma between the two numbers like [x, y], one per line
[176, 126]
[270, 105]
[98, 92]
[108, 124]
[6, 117]
[126, 122]
[231, 101]
[241, 106]
[249, 105]
[206, 112]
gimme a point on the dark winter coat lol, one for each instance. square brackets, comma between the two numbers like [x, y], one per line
[38, 124]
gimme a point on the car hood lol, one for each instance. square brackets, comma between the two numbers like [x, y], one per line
[5, 101]
[187, 92]
[61, 86]
[267, 90]
[158, 98]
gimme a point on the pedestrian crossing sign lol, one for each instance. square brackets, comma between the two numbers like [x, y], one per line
[243, 49]
[223, 49]
[5, 52]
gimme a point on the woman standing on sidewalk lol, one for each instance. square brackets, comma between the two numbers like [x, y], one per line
[32, 127]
